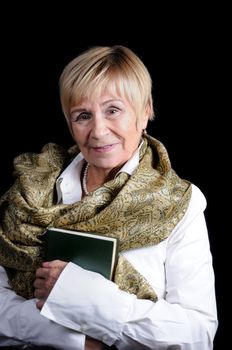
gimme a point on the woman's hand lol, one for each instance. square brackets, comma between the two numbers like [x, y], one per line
[93, 344]
[46, 277]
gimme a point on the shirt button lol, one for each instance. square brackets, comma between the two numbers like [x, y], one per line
[84, 327]
[105, 338]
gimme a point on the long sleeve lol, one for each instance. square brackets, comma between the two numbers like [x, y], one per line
[179, 269]
[21, 323]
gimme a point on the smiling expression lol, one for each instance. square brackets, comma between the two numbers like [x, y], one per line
[107, 130]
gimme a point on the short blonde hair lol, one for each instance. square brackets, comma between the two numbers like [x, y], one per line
[100, 68]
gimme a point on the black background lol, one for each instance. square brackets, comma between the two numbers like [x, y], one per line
[186, 52]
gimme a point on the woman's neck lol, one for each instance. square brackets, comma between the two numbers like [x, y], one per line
[93, 177]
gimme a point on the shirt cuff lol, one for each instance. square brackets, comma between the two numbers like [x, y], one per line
[89, 303]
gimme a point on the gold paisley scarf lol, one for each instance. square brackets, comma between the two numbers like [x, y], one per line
[141, 210]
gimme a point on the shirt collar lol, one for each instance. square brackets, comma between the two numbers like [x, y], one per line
[68, 184]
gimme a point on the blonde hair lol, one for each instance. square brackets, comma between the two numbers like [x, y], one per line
[116, 69]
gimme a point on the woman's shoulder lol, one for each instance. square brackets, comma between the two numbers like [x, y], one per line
[193, 217]
[198, 199]
[51, 156]
[196, 206]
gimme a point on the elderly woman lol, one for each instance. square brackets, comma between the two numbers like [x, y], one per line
[116, 181]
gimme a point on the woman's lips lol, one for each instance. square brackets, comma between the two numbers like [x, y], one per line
[106, 148]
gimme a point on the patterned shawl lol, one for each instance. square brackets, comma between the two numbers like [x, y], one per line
[141, 210]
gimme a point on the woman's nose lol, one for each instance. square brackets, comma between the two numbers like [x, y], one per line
[99, 127]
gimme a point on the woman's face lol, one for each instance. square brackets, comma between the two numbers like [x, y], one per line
[106, 130]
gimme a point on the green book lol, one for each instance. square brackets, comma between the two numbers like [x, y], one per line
[92, 251]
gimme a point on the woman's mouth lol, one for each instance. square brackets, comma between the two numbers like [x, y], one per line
[106, 148]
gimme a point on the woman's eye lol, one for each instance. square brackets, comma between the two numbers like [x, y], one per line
[80, 117]
[113, 111]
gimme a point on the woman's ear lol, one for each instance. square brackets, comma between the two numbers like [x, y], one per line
[146, 116]
[144, 122]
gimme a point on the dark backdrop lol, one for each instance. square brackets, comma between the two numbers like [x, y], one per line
[185, 52]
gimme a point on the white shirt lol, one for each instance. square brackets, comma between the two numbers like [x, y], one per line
[83, 302]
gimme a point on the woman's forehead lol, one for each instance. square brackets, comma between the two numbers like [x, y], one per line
[111, 91]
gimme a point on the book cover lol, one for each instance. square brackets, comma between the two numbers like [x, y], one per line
[92, 251]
